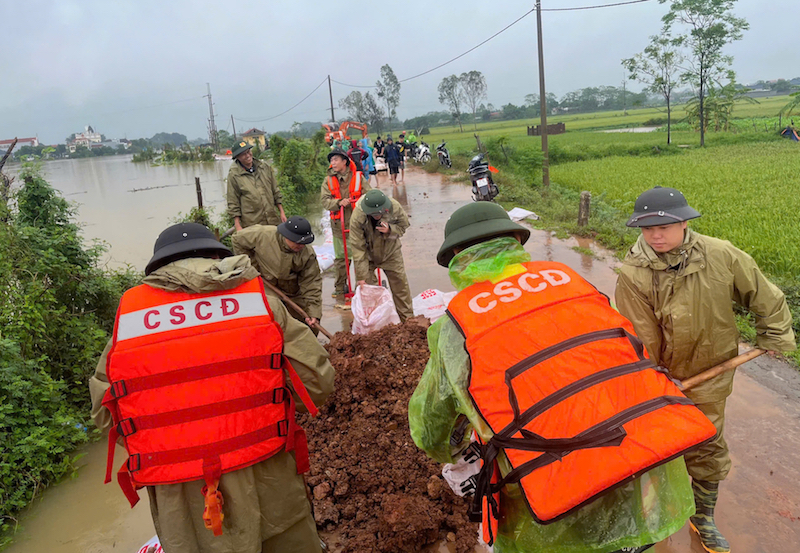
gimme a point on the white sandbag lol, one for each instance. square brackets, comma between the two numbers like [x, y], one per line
[325, 256]
[152, 543]
[373, 309]
[519, 214]
[432, 303]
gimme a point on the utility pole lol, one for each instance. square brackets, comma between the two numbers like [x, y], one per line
[234, 129]
[212, 126]
[542, 98]
[330, 91]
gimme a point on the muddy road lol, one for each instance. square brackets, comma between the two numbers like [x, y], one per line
[759, 509]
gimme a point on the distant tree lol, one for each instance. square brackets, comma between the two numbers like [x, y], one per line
[473, 85]
[789, 108]
[364, 108]
[173, 139]
[224, 139]
[531, 100]
[451, 94]
[711, 26]
[389, 91]
[657, 68]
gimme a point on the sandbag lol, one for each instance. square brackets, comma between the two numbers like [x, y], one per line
[373, 309]
[432, 303]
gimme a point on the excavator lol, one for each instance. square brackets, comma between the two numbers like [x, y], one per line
[332, 133]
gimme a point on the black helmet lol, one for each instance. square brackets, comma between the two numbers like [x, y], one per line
[661, 206]
[338, 152]
[182, 241]
[297, 229]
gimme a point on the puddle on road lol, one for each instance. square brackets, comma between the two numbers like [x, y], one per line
[82, 515]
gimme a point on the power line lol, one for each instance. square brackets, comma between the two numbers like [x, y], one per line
[504, 29]
[284, 112]
[594, 7]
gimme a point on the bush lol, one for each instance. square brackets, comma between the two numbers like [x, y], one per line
[57, 309]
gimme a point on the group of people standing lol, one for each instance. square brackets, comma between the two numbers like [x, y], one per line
[206, 368]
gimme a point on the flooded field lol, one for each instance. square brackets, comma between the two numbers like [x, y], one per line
[759, 509]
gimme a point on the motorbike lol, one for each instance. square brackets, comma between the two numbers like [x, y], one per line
[444, 154]
[423, 153]
[480, 173]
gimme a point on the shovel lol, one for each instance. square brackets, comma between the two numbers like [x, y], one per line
[294, 306]
[728, 365]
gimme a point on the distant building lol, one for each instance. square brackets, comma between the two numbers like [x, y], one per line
[5, 144]
[87, 138]
[255, 136]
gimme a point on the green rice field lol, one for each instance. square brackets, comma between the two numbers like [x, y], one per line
[748, 193]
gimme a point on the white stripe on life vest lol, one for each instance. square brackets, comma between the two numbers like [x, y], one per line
[358, 182]
[204, 310]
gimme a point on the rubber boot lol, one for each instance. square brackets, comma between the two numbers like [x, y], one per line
[702, 522]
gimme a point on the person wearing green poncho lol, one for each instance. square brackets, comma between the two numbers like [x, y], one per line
[481, 243]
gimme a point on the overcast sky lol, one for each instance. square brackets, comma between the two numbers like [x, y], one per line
[114, 64]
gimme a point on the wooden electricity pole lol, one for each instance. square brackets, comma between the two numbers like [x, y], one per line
[234, 129]
[542, 98]
[330, 92]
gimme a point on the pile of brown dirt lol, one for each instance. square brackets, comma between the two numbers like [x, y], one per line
[373, 489]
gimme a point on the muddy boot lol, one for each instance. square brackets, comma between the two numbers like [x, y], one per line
[702, 522]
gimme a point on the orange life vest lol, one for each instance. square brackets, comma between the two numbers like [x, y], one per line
[355, 187]
[568, 391]
[198, 387]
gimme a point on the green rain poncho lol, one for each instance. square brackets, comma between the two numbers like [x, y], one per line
[644, 511]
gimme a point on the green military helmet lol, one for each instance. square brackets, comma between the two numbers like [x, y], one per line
[375, 201]
[240, 148]
[297, 229]
[474, 223]
[661, 206]
[182, 241]
[338, 152]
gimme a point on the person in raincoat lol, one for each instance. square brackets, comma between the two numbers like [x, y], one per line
[369, 163]
[266, 508]
[253, 196]
[377, 225]
[482, 243]
[678, 288]
[285, 259]
[341, 189]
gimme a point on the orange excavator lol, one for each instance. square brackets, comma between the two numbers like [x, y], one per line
[332, 133]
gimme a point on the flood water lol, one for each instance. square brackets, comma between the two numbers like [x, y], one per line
[760, 505]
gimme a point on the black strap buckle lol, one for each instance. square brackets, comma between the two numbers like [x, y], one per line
[276, 361]
[134, 463]
[473, 452]
[279, 395]
[118, 389]
[283, 428]
[126, 427]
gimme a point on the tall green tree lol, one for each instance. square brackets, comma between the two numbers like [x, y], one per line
[364, 108]
[711, 25]
[451, 94]
[389, 91]
[473, 85]
[657, 67]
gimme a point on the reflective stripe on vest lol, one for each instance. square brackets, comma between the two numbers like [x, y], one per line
[567, 390]
[354, 187]
[198, 386]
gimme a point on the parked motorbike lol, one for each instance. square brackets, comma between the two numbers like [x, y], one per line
[444, 154]
[423, 153]
[480, 173]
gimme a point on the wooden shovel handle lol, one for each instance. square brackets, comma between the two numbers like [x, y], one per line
[294, 306]
[728, 365]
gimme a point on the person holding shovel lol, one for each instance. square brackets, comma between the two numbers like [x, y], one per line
[253, 196]
[377, 225]
[342, 188]
[542, 397]
[286, 261]
[678, 288]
